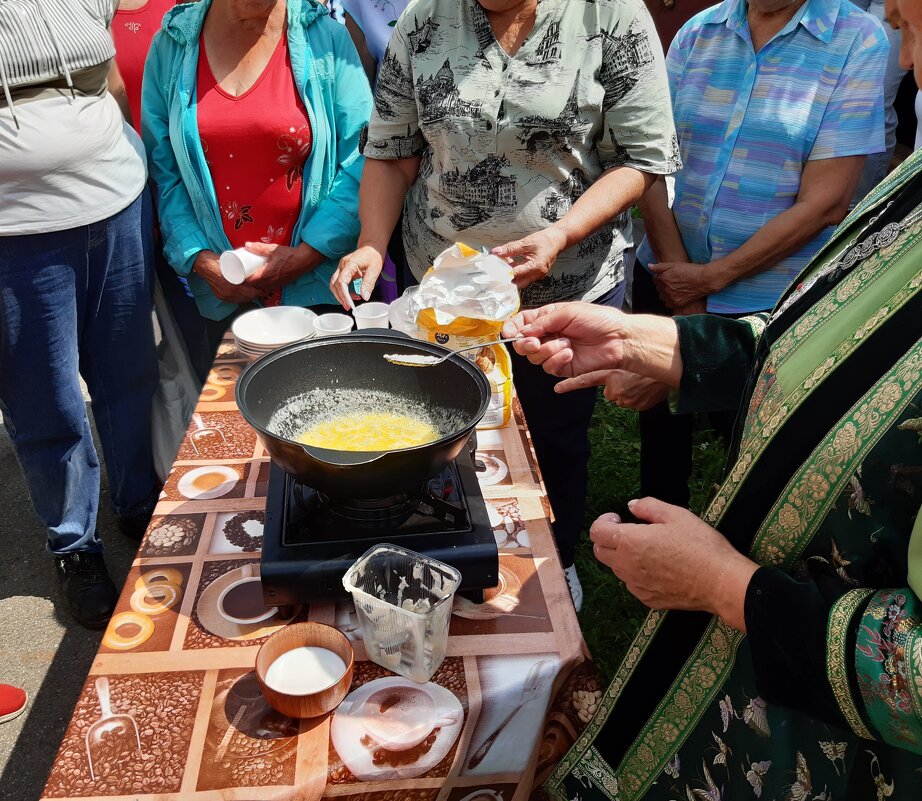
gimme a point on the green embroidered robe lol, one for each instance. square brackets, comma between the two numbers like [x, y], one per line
[823, 699]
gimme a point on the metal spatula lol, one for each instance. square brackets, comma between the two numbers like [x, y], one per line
[419, 360]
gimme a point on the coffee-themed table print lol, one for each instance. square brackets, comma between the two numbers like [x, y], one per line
[515, 692]
[161, 705]
[145, 619]
[173, 535]
[205, 482]
[185, 721]
[508, 524]
[491, 469]
[517, 604]
[248, 743]
[238, 532]
[229, 607]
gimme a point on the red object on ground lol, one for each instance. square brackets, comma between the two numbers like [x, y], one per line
[256, 146]
[12, 702]
[132, 32]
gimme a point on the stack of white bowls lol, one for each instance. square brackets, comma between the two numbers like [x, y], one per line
[262, 331]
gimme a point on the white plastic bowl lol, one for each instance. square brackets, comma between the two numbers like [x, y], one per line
[273, 327]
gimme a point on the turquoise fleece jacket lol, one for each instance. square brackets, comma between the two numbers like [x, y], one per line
[335, 92]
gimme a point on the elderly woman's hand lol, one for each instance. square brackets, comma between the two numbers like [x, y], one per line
[208, 267]
[680, 284]
[366, 263]
[623, 388]
[675, 561]
[283, 265]
[569, 339]
[532, 257]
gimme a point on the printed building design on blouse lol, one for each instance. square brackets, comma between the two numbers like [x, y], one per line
[440, 98]
[623, 58]
[549, 50]
[393, 87]
[421, 35]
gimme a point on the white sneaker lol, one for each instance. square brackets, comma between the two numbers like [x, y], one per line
[576, 589]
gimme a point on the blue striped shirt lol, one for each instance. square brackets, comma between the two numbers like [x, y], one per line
[748, 122]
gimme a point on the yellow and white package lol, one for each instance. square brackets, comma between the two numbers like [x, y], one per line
[463, 300]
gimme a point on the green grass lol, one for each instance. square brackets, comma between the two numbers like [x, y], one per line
[611, 615]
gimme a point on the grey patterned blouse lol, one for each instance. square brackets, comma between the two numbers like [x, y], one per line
[509, 143]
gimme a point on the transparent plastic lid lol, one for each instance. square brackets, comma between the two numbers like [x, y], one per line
[407, 581]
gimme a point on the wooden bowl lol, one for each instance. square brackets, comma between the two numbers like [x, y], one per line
[296, 635]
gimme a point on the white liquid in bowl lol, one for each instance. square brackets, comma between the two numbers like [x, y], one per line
[305, 670]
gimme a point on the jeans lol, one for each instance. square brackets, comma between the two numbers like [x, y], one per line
[878, 164]
[80, 301]
[559, 426]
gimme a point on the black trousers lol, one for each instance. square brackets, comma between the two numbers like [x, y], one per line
[666, 438]
[559, 426]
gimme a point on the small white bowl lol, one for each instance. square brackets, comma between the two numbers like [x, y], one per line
[331, 325]
[273, 326]
[371, 315]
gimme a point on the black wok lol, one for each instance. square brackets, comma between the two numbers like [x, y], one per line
[355, 362]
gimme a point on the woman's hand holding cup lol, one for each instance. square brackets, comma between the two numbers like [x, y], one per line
[207, 265]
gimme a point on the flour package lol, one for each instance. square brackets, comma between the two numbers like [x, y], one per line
[463, 300]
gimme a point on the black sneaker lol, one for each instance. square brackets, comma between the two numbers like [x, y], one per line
[88, 591]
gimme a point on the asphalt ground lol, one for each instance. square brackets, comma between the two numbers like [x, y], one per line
[41, 648]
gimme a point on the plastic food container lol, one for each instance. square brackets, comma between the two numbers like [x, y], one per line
[403, 600]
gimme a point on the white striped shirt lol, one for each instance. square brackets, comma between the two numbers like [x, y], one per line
[39, 38]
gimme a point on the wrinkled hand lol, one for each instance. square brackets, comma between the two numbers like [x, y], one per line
[699, 306]
[568, 339]
[674, 561]
[283, 265]
[208, 267]
[680, 283]
[623, 388]
[366, 263]
[532, 257]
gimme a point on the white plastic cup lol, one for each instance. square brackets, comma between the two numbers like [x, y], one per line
[332, 325]
[238, 265]
[371, 315]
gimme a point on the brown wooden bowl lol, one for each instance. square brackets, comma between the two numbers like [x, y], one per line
[296, 635]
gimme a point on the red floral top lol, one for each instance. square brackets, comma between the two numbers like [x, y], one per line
[256, 146]
[132, 32]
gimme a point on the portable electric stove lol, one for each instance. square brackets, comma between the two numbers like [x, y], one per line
[310, 541]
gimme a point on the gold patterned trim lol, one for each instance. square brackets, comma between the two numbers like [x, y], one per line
[837, 661]
[584, 744]
[774, 405]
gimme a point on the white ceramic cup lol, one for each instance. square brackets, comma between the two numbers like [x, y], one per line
[331, 325]
[238, 265]
[371, 315]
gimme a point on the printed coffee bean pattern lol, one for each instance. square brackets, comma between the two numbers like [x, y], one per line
[163, 705]
[239, 440]
[173, 535]
[260, 750]
[450, 675]
[235, 530]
